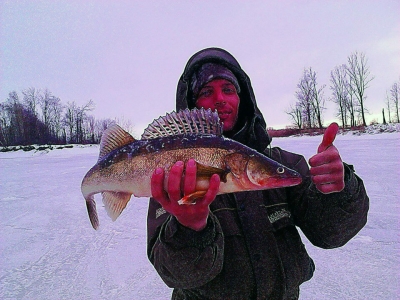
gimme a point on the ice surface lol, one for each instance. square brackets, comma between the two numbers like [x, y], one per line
[367, 267]
[50, 251]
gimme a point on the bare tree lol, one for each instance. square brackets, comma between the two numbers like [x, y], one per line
[56, 109]
[296, 115]
[351, 105]
[318, 98]
[360, 77]
[304, 97]
[42, 118]
[51, 111]
[310, 98]
[388, 106]
[394, 95]
[340, 91]
[4, 125]
[31, 98]
[81, 118]
[75, 118]
[69, 120]
[16, 116]
[45, 104]
[16, 122]
[383, 116]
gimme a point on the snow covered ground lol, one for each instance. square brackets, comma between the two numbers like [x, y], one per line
[48, 249]
[368, 267]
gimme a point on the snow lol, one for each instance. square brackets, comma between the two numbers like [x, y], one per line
[50, 251]
[367, 267]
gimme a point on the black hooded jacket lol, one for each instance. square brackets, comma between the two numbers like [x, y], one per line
[250, 248]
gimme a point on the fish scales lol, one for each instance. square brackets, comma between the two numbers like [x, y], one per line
[137, 161]
[125, 165]
[150, 154]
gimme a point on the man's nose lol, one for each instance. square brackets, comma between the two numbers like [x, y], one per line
[219, 99]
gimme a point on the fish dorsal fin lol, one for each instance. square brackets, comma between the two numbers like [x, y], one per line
[195, 121]
[113, 138]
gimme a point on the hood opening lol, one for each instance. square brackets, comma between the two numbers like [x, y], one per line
[251, 127]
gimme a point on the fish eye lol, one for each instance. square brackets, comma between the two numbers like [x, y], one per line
[280, 170]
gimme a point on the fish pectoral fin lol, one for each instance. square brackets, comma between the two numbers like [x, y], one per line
[115, 202]
[191, 198]
[204, 171]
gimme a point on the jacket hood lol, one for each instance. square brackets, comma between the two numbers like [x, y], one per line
[251, 126]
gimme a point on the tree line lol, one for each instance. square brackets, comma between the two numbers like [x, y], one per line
[39, 117]
[348, 83]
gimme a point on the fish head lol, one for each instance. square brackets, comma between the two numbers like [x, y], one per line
[268, 173]
[258, 172]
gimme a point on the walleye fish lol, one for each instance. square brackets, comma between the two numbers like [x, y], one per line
[125, 165]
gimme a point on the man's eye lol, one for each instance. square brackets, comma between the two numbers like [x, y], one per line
[204, 93]
[229, 90]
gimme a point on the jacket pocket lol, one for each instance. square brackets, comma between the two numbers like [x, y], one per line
[224, 209]
[228, 220]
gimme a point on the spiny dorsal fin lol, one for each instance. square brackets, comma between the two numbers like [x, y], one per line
[197, 121]
[113, 138]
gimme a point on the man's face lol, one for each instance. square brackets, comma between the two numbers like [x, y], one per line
[220, 95]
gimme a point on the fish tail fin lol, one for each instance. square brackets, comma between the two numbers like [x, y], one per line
[91, 208]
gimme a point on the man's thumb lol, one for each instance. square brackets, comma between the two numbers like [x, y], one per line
[329, 137]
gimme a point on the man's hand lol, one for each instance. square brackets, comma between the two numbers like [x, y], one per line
[182, 181]
[327, 168]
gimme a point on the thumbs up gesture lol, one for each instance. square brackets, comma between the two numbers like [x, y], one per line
[327, 170]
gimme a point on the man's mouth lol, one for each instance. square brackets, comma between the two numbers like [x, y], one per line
[224, 114]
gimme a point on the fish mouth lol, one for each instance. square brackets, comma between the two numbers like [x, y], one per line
[288, 181]
[278, 182]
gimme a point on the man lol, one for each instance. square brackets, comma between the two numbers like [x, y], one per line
[246, 245]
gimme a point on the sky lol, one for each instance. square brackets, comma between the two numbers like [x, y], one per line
[127, 56]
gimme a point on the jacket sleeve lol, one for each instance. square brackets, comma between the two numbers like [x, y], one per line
[183, 257]
[328, 220]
